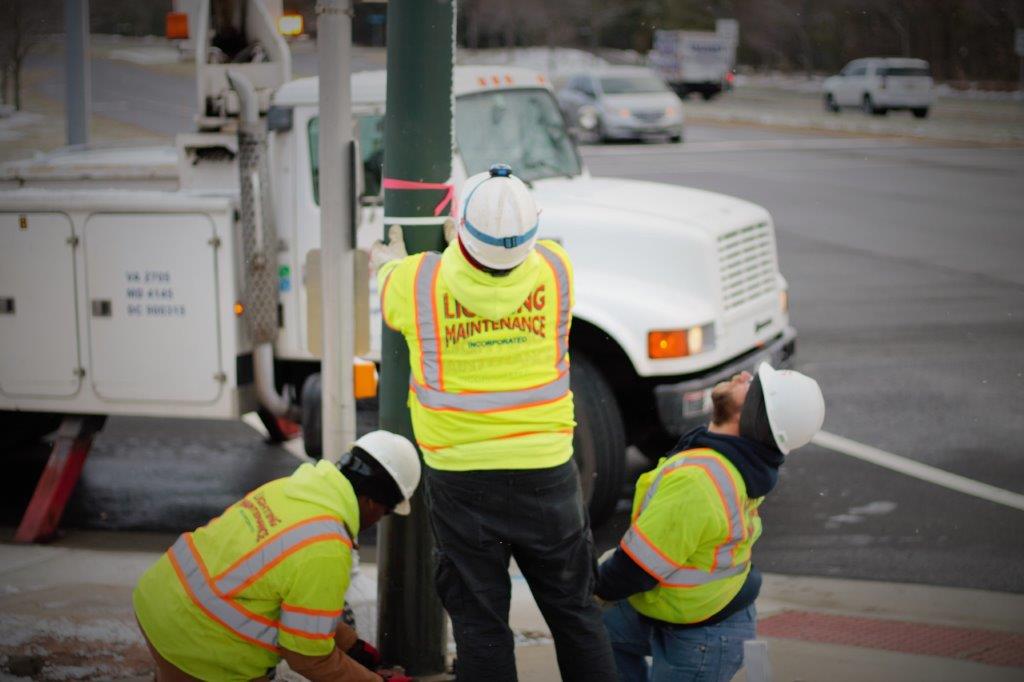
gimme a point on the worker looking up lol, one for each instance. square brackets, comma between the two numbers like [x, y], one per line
[685, 562]
[487, 325]
[267, 578]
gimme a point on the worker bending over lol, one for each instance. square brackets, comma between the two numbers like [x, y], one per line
[266, 579]
[487, 325]
[685, 562]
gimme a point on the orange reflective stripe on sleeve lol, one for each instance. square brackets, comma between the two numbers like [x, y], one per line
[669, 573]
[425, 309]
[309, 623]
[561, 274]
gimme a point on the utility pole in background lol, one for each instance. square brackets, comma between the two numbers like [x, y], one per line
[334, 51]
[418, 149]
[77, 97]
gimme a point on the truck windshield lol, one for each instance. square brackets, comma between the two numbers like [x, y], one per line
[522, 128]
[622, 85]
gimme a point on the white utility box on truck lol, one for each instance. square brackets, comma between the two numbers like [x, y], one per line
[125, 279]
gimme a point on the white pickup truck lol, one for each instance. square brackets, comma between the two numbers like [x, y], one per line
[122, 272]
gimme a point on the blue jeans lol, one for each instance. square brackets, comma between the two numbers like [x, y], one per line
[713, 653]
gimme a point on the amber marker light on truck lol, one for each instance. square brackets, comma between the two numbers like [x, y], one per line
[679, 343]
[239, 308]
[290, 25]
[670, 343]
[784, 301]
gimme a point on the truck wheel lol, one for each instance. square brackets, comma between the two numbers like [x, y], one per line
[312, 420]
[708, 94]
[21, 428]
[599, 443]
[921, 112]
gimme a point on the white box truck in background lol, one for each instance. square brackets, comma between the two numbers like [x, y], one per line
[694, 61]
[176, 281]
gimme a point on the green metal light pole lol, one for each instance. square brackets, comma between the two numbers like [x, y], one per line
[418, 148]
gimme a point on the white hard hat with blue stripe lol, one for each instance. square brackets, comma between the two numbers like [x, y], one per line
[499, 218]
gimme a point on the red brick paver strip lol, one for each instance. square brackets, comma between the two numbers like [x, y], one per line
[991, 647]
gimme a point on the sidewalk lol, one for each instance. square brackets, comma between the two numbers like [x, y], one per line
[65, 614]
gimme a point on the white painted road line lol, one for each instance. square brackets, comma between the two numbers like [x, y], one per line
[918, 470]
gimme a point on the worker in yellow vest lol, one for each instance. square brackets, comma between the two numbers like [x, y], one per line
[266, 579]
[683, 570]
[487, 325]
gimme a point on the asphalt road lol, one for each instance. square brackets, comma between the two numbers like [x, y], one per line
[906, 287]
[903, 262]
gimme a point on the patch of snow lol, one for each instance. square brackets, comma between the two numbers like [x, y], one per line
[147, 56]
[12, 121]
[76, 672]
[16, 630]
[856, 515]
[874, 508]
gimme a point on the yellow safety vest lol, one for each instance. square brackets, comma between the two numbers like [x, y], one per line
[693, 529]
[269, 573]
[489, 355]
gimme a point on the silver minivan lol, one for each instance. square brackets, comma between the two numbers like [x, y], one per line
[878, 85]
[622, 102]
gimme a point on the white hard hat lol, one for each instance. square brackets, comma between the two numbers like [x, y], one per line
[398, 457]
[794, 404]
[499, 219]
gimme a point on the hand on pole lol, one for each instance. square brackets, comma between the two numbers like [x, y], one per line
[381, 253]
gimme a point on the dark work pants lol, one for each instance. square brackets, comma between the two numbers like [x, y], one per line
[480, 520]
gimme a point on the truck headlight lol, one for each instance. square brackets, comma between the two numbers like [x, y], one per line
[680, 343]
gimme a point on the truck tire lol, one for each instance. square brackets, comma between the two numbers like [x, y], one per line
[312, 419]
[22, 428]
[921, 112]
[599, 442]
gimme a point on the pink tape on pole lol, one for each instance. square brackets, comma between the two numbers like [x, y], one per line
[449, 191]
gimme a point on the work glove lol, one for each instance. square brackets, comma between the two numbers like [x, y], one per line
[449, 231]
[381, 253]
[365, 654]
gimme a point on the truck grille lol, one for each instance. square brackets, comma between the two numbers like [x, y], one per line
[746, 263]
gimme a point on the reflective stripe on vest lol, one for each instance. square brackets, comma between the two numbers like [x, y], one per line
[309, 623]
[562, 280]
[669, 573]
[267, 555]
[206, 593]
[432, 394]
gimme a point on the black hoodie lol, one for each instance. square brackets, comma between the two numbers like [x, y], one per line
[758, 465]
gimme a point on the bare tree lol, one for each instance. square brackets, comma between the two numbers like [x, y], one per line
[22, 26]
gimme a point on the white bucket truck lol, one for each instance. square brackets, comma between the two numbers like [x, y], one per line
[174, 282]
